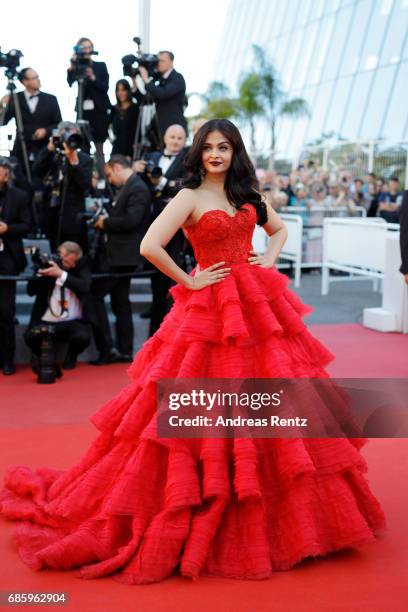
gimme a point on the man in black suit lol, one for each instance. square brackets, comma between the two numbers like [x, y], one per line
[14, 225]
[96, 105]
[164, 172]
[125, 227]
[40, 114]
[70, 172]
[169, 93]
[404, 235]
[61, 294]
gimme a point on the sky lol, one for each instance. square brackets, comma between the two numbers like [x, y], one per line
[46, 31]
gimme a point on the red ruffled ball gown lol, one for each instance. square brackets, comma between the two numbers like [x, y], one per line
[139, 507]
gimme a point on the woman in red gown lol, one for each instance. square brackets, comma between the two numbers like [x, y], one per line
[137, 506]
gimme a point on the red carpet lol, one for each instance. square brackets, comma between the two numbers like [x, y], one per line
[47, 425]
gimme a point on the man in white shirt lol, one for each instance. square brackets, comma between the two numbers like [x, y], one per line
[61, 291]
[40, 114]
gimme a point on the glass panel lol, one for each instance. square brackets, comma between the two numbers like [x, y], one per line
[374, 35]
[292, 57]
[320, 52]
[271, 16]
[377, 103]
[335, 115]
[397, 114]
[317, 9]
[290, 16]
[319, 109]
[357, 105]
[303, 13]
[396, 33]
[355, 39]
[337, 44]
[308, 46]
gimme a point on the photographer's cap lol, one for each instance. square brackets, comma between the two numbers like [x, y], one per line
[5, 162]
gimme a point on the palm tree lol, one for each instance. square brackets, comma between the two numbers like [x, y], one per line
[218, 102]
[274, 99]
[249, 103]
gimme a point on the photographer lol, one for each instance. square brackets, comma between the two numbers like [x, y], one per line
[61, 292]
[14, 225]
[125, 227]
[40, 114]
[95, 101]
[169, 93]
[164, 172]
[67, 172]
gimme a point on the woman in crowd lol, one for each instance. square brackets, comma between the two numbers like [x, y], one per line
[125, 114]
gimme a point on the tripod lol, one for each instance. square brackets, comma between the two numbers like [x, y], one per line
[14, 102]
[148, 112]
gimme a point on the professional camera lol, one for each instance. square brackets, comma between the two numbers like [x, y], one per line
[72, 140]
[42, 260]
[11, 62]
[81, 61]
[132, 62]
[154, 171]
[95, 207]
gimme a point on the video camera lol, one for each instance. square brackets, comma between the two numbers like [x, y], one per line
[132, 62]
[81, 61]
[11, 62]
[42, 260]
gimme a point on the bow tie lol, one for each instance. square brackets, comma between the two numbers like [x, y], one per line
[34, 96]
[169, 156]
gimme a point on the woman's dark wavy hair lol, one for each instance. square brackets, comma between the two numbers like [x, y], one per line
[241, 184]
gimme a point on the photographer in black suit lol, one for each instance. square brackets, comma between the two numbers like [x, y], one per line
[40, 113]
[404, 235]
[66, 172]
[124, 227]
[168, 92]
[164, 172]
[14, 225]
[96, 104]
[61, 293]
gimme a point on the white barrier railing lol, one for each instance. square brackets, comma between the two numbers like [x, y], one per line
[356, 246]
[313, 219]
[291, 250]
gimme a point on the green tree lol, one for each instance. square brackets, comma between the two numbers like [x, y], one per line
[274, 100]
[249, 103]
[218, 102]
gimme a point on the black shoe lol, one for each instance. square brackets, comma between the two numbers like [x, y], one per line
[146, 315]
[8, 368]
[112, 357]
[125, 358]
[69, 365]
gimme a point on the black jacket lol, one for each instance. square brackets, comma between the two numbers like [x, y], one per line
[47, 115]
[127, 223]
[15, 212]
[170, 96]
[174, 173]
[79, 181]
[404, 233]
[95, 90]
[78, 281]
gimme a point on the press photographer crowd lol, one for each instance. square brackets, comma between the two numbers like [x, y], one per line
[94, 212]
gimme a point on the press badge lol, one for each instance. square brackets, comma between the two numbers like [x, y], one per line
[88, 105]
